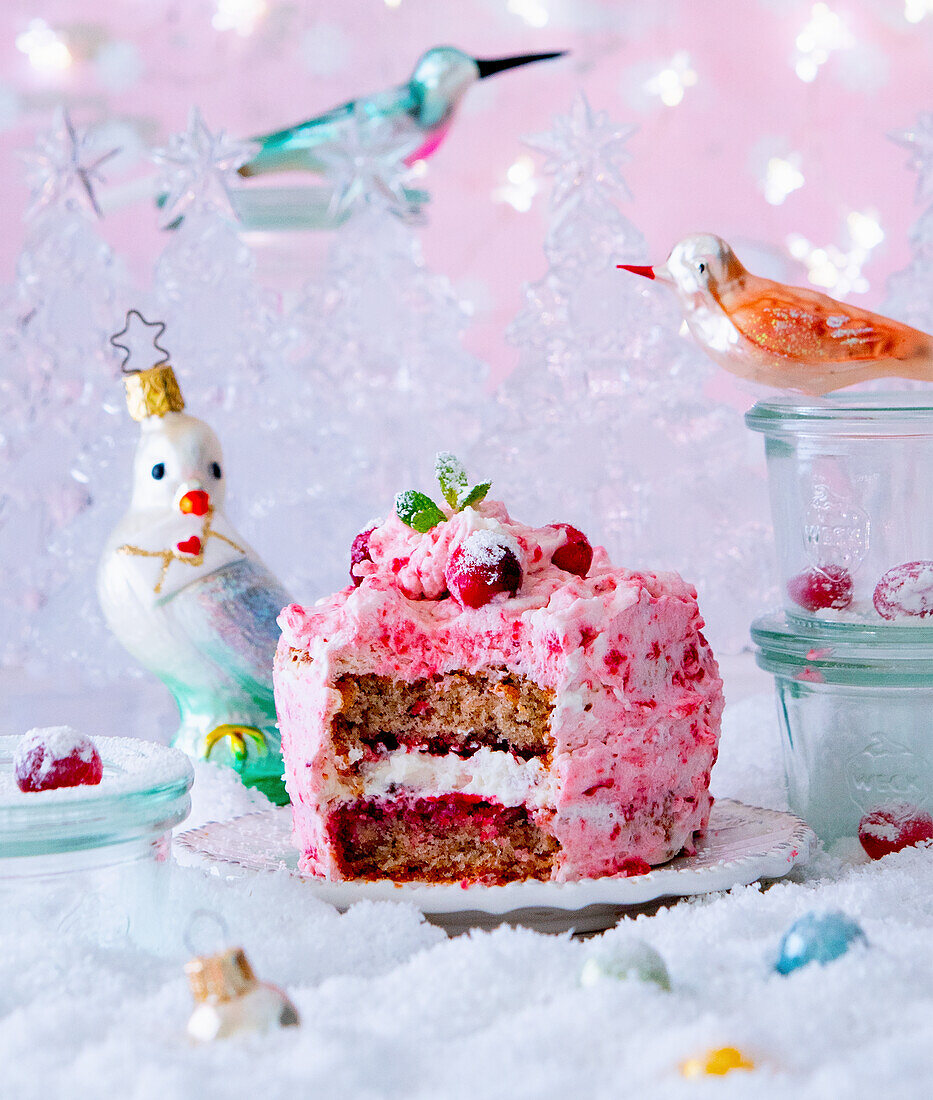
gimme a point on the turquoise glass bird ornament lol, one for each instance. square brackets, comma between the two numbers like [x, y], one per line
[421, 111]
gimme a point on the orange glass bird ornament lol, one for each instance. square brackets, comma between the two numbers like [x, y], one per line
[782, 335]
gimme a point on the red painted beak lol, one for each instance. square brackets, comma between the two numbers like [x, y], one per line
[195, 502]
[648, 272]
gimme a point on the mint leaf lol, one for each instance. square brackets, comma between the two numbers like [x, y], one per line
[450, 472]
[418, 511]
[474, 496]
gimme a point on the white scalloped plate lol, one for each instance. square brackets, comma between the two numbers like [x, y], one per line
[741, 845]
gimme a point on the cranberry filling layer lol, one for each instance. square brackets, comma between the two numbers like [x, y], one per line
[454, 712]
[450, 838]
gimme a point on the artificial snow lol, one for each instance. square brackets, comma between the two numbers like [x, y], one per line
[390, 1007]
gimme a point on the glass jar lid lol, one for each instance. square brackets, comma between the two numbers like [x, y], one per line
[143, 792]
[909, 412]
[843, 652]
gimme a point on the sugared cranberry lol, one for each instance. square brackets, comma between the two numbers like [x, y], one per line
[56, 757]
[483, 565]
[576, 555]
[906, 590]
[359, 551]
[892, 827]
[820, 587]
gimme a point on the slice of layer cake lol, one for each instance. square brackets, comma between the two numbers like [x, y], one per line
[489, 702]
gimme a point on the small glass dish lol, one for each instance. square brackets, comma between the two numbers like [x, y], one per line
[855, 706]
[849, 479]
[93, 857]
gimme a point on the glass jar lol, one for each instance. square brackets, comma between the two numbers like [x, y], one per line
[855, 705]
[94, 859]
[850, 481]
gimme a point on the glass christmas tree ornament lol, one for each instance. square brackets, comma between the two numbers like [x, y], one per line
[910, 292]
[817, 937]
[610, 402]
[184, 593]
[56, 410]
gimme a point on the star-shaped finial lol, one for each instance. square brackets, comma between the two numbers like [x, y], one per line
[584, 150]
[64, 166]
[919, 140]
[140, 342]
[368, 164]
[197, 168]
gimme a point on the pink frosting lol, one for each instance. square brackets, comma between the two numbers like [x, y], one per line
[637, 694]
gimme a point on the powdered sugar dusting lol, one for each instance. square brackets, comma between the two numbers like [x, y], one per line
[129, 765]
[489, 547]
[58, 741]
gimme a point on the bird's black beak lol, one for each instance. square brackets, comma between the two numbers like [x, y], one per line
[500, 64]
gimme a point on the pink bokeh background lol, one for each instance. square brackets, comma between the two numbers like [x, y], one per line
[815, 85]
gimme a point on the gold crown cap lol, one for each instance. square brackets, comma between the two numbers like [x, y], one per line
[153, 392]
[218, 978]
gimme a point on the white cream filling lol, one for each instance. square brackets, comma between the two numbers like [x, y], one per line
[491, 774]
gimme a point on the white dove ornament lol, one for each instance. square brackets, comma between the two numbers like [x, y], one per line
[187, 597]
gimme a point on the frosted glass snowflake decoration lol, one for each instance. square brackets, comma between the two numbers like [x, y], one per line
[919, 140]
[369, 166]
[64, 167]
[197, 169]
[585, 151]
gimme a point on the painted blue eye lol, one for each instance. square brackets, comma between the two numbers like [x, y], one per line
[215, 470]
[158, 471]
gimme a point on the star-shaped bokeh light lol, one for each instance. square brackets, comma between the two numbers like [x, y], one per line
[197, 169]
[369, 164]
[584, 149]
[64, 167]
[919, 140]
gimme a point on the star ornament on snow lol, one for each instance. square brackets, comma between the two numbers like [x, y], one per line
[139, 341]
[919, 140]
[584, 149]
[369, 165]
[197, 169]
[64, 167]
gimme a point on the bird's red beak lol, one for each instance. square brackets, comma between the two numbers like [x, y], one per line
[195, 502]
[648, 272]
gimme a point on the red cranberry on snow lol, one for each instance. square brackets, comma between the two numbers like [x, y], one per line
[890, 828]
[822, 586]
[482, 566]
[576, 555]
[56, 757]
[359, 552]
